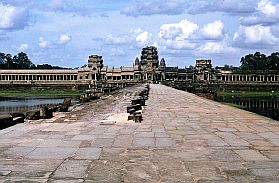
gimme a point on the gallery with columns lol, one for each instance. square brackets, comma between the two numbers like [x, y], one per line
[148, 68]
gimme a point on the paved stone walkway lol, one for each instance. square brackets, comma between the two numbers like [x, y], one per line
[183, 138]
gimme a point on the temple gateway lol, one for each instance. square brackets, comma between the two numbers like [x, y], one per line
[147, 68]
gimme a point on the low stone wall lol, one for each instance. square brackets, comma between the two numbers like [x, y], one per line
[209, 95]
[137, 103]
[7, 120]
[42, 86]
[45, 112]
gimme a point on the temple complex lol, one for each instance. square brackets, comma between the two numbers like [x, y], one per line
[146, 69]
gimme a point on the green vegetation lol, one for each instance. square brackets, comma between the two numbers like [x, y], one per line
[235, 105]
[21, 61]
[247, 94]
[229, 67]
[256, 61]
[259, 61]
[38, 92]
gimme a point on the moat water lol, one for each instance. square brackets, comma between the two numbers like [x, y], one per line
[25, 104]
[266, 106]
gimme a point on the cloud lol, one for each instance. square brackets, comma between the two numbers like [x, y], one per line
[267, 14]
[3, 35]
[17, 2]
[258, 20]
[178, 44]
[176, 35]
[55, 4]
[180, 30]
[144, 7]
[43, 43]
[135, 37]
[23, 47]
[175, 7]
[117, 40]
[212, 47]
[234, 7]
[256, 36]
[13, 18]
[275, 31]
[143, 37]
[117, 52]
[213, 30]
[64, 39]
[267, 7]
[83, 8]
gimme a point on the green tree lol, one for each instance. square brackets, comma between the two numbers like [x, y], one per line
[23, 61]
[2, 60]
[229, 67]
[9, 61]
[273, 61]
[2, 57]
[257, 61]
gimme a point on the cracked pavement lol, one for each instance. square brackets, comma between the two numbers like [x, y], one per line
[182, 138]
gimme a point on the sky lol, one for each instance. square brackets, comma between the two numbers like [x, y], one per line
[66, 32]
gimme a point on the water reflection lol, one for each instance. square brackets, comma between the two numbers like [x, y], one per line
[266, 106]
[24, 104]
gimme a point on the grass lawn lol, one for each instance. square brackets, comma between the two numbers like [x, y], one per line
[45, 92]
[248, 94]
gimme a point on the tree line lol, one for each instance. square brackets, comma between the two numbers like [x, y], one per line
[21, 61]
[256, 61]
[259, 61]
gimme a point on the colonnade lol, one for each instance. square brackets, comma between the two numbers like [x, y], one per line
[251, 78]
[38, 77]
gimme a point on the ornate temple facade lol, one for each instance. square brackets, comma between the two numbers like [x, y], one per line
[147, 68]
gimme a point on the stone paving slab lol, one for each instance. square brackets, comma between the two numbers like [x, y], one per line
[182, 138]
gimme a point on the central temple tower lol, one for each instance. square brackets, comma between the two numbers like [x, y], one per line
[148, 64]
[149, 58]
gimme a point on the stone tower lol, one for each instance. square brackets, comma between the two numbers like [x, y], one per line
[149, 63]
[162, 64]
[95, 62]
[137, 62]
[149, 58]
[203, 70]
[95, 65]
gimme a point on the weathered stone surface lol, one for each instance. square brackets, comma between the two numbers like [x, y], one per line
[138, 118]
[52, 153]
[14, 115]
[67, 101]
[5, 120]
[89, 153]
[33, 115]
[72, 169]
[182, 138]
[45, 113]
[251, 155]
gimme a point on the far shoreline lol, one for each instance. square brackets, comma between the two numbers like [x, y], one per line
[40, 93]
[248, 94]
